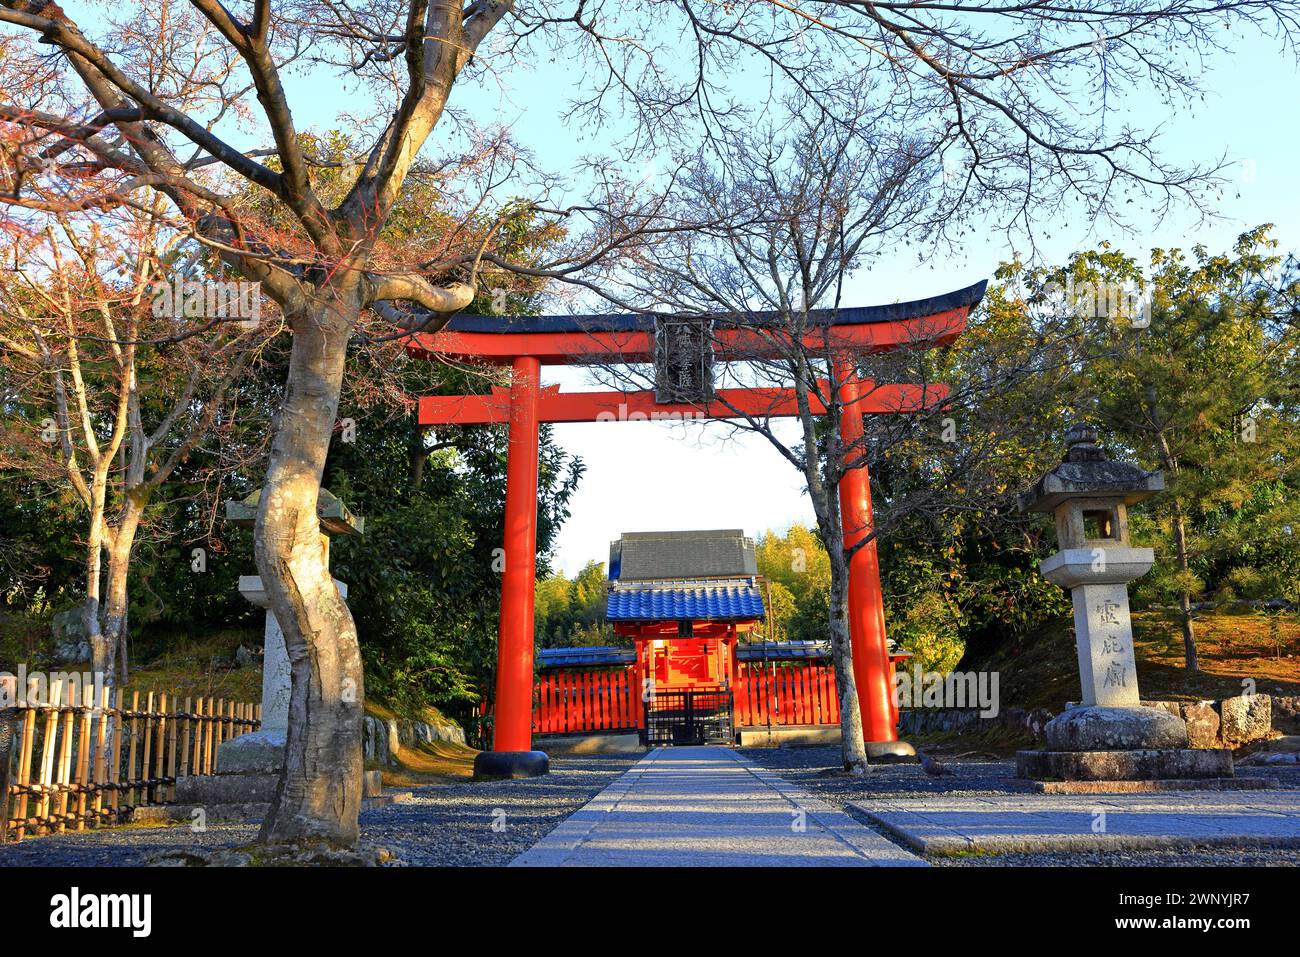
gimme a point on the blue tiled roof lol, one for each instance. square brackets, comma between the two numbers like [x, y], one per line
[724, 601]
[596, 655]
[781, 650]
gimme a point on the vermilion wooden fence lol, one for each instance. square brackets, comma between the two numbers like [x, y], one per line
[72, 763]
[778, 693]
[766, 693]
[586, 701]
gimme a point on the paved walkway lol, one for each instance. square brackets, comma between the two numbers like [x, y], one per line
[1008, 824]
[696, 807]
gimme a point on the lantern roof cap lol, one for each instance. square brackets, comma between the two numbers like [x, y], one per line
[335, 517]
[1086, 472]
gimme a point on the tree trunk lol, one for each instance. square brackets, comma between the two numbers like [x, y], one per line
[853, 749]
[825, 496]
[116, 607]
[319, 794]
[1184, 596]
[101, 658]
[852, 745]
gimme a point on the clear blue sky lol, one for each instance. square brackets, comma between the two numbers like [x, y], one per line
[644, 476]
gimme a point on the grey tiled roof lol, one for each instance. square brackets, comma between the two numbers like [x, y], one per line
[659, 556]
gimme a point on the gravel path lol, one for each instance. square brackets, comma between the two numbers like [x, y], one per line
[817, 770]
[471, 824]
[490, 823]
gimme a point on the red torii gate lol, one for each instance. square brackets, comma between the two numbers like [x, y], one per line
[528, 342]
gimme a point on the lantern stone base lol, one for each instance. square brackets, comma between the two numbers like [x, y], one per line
[505, 765]
[1153, 787]
[1099, 728]
[890, 752]
[258, 752]
[1111, 746]
[1155, 764]
[249, 788]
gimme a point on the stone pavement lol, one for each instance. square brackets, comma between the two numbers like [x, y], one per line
[1008, 824]
[694, 807]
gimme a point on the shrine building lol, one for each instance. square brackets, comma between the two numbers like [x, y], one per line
[696, 668]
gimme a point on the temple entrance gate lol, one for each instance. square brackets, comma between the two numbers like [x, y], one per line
[525, 343]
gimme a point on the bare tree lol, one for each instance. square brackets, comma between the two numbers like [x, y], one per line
[111, 416]
[804, 207]
[1014, 95]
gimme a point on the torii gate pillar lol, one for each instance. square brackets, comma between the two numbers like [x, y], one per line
[512, 755]
[873, 672]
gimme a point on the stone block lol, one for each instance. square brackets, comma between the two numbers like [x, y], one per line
[258, 752]
[1245, 718]
[1152, 764]
[1286, 713]
[1202, 725]
[596, 743]
[1115, 729]
[1153, 787]
[208, 789]
[1171, 706]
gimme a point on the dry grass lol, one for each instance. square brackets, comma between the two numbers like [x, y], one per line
[202, 669]
[1041, 671]
[437, 763]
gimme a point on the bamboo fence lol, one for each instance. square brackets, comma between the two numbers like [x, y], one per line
[68, 765]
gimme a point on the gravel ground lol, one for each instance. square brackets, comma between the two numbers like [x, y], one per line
[817, 771]
[471, 824]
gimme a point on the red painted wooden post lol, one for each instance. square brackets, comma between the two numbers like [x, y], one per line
[566, 700]
[513, 727]
[550, 702]
[872, 670]
[826, 690]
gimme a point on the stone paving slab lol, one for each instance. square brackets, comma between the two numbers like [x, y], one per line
[947, 825]
[708, 807]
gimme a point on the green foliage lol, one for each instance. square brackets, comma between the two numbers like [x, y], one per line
[424, 580]
[571, 613]
[799, 571]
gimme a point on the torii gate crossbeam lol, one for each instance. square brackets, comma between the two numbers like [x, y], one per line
[527, 342]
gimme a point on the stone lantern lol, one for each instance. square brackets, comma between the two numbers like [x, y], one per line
[248, 766]
[263, 750]
[1109, 735]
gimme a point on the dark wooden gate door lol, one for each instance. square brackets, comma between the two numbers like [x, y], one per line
[688, 717]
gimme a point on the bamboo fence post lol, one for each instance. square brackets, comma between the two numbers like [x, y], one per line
[196, 759]
[171, 754]
[185, 736]
[146, 757]
[208, 737]
[83, 754]
[132, 782]
[64, 776]
[100, 773]
[25, 765]
[160, 752]
[47, 755]
[119, 729]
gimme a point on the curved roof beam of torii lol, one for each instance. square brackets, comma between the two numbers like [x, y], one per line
[629, 337]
